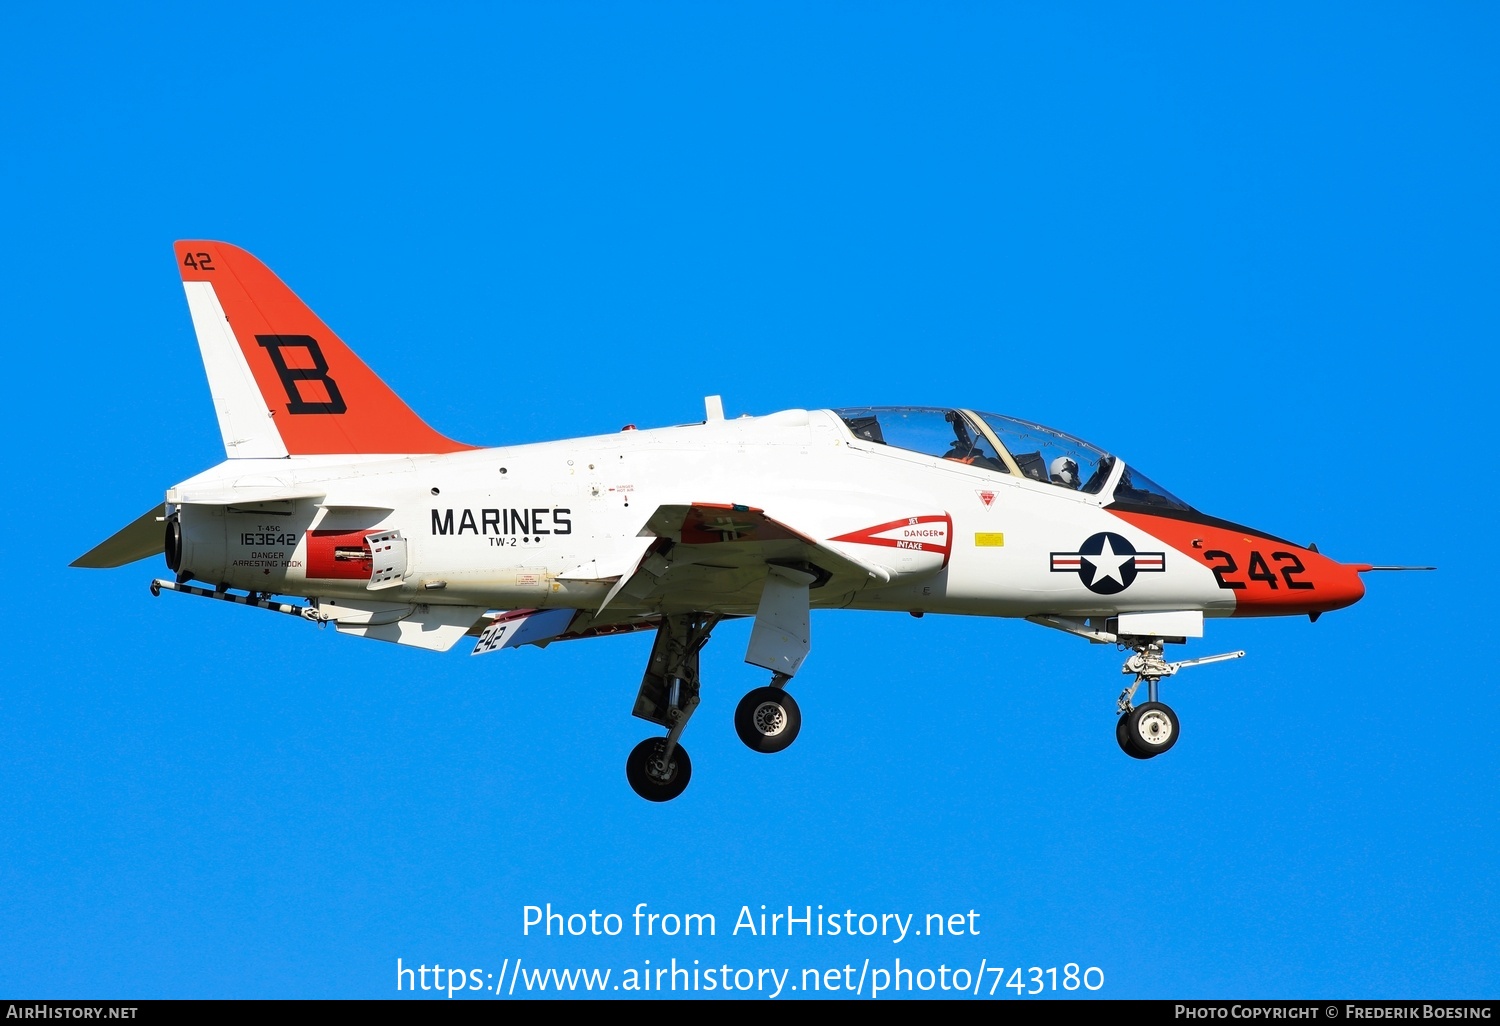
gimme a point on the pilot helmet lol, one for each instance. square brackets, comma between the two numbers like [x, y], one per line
[1064, 471]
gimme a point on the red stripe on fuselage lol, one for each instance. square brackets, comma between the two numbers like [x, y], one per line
[1267, 577]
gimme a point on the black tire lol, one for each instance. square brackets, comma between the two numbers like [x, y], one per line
[767, 720]
[1122, 735]
[649, 780]
[1153, 728]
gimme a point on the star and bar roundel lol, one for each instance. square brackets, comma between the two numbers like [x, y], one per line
[1107, 563]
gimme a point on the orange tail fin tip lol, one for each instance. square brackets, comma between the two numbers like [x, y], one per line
[321, 398]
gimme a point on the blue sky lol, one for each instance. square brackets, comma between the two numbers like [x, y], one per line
[1252, 251]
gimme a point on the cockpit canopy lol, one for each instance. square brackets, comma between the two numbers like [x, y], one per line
[1005, 445]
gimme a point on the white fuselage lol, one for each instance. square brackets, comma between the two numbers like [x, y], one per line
[553, 524]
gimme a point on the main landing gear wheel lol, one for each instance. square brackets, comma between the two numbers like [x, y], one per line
[767, 720]
[653, 778]
[1150, 729]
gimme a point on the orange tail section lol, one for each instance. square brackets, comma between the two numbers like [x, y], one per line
[320, 398]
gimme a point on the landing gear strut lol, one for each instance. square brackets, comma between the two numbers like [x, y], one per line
[658, 768]
[1145, 731]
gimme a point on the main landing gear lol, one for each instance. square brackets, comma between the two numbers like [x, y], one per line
[658, 768]
[766, 720]
[1145, 731]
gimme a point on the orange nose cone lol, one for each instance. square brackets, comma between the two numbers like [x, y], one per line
[1338, 585]
[1267, 576]
[1309, 582]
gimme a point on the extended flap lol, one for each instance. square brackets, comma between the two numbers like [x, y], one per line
[435, 628]
[523, 627]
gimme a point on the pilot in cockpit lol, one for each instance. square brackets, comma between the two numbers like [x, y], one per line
[962, 450]
[1064, 471]
[965, 450]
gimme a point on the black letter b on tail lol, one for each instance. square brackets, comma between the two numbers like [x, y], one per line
[291, 376]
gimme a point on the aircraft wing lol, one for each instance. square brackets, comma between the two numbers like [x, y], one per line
[714, 556]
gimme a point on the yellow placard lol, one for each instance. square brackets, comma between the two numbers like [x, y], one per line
[989, 538]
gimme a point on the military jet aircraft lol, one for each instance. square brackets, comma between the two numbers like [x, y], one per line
[336, 495]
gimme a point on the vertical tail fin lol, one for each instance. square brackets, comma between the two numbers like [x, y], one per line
[282, 382]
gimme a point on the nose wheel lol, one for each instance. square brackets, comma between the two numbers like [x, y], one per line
[1122, 735]
[1147, 730]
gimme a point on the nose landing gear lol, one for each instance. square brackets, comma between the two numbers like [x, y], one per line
[1145, 731]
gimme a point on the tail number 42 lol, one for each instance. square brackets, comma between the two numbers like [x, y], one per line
[1258, 570]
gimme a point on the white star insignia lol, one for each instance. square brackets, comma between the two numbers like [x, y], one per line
[1107, 563]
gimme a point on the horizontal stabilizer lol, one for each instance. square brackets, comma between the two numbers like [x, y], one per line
[142, 538]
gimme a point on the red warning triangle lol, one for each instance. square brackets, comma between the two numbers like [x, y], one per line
[988, 498]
